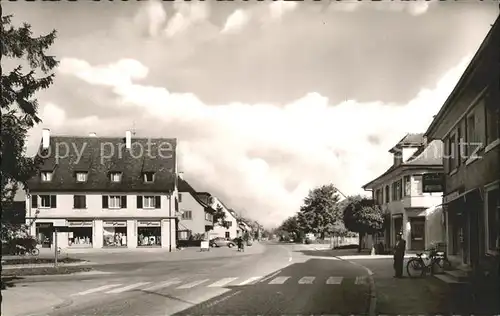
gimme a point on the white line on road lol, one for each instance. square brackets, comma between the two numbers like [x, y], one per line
[306, 280]
[279, 280]
[334, 280]
[163, 285]
[271, 276]
[94, 290]
[192, 284]
[249, 281]
[126, 288]
[222, 282]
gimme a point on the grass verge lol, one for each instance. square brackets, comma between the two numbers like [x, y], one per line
[43, 271]
[36, 260]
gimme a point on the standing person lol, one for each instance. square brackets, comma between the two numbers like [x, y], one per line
[399, 255]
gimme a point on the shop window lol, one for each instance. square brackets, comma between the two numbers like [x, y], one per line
[48, 201]
[188, 215]
[80, 234]
[115, 234]
[493, 218]
[79, 201]
[148, 234]
[46, 176]
[44, 234]
[81, 177]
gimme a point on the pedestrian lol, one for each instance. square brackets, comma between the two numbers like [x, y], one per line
[399, 255]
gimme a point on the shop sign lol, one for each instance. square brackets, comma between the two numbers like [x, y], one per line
[44, 225]
[432, 182]
[115, 224]
[148, 224]
[450, 197]
[80, 223]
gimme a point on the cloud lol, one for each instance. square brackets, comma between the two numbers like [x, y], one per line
[238, 19]
[279, 8]
[415, 7]
[188, 14]
[261, 157]
[152, 16]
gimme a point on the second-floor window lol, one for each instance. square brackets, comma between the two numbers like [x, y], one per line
[407, 185]
[209, 217]
[187, 215]
[79, 201]
[46, 176]
[148, 202]
[417, 188]
[114, 201]
[180, 197]
[228, 223]
[451, 153]
[387, 196]
[46, 201]
[81, 177]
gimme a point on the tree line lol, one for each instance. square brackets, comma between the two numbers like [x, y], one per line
[324, 214]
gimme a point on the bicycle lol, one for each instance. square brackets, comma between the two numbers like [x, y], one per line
[23, 251]
[437, 259]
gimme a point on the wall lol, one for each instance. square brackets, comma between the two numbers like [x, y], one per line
[408, 152]
[197, 223]
[435, 230]
[220, 231]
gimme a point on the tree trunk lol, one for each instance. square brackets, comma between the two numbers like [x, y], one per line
[360, 246]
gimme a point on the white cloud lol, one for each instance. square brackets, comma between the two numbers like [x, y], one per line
[265, 157]
[280, 7]
[346, 6]
[238, 19]
[415, 7]
[418, 7]
[188, 14]
[153, 16]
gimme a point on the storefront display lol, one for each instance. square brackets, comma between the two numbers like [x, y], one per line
[44, 234]
[80, 233]
[148, 233]
[115, 234]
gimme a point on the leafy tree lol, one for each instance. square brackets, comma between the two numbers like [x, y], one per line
[219, 217]
[363, 216]
[292, 227]
[320, 213]
[19, 107]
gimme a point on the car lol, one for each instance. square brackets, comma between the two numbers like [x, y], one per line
[221, 242]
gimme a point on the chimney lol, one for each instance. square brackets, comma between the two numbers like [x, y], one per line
[92, 134]
[45, 138]
[128, 139]
[181, 175]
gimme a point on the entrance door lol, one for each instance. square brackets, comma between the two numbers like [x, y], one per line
[417, 233]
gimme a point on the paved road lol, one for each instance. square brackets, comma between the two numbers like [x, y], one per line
[277, 281]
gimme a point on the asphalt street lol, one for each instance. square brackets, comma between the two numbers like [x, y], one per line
[276, 281]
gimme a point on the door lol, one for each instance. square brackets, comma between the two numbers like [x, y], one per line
[417, 228]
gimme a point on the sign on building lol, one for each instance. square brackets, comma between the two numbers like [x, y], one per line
[433, 182]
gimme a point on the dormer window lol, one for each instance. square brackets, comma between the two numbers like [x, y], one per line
[149, 177]
[115, 176]
[46, 176]
[81, 177]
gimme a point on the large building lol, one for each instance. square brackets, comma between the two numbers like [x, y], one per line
[399, 191]
[468, 124]
[99, 192]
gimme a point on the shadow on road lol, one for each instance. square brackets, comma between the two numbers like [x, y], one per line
[9, 281]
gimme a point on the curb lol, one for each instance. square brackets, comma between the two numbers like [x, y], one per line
[372, 306]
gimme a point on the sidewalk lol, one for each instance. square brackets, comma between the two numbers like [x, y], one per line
[346, 254]
[19, 300]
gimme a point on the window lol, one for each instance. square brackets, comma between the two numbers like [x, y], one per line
[115, 176]
[492, 122]
[81, 176]
[417, 188]
[187, 215]
[46, 176]
[452, 147]
[209, 217]
[148, 202]
[180, 197]
[387, 197]
[460, 146]
[114, 201]
[228, 223]
[149, 177]
[399, 186]
[378, 197]
[407, 185]
[79, 201]
[48, 201]
[228, 235]
[183, 234]
[493, 218]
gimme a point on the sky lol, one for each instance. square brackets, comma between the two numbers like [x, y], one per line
[267, 99]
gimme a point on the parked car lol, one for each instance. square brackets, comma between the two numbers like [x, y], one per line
[222, 242]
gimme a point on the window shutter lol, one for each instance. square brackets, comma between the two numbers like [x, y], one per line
[34, 200]
[75, 201]
[157, 201]
[104, 201]
[139, 201]
[84, 201]
[53, 201]
[124, 201]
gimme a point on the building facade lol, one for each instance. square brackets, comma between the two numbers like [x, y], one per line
[104, 192]
[233, 230]
[400, 193]
[468, 124]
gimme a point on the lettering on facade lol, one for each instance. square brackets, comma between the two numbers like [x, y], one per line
[432, 182]
[81, 223]
[148, 224]
[114, 224]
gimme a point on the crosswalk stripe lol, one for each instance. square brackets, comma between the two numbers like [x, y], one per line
[306, 280]
[101, 288]
[192, 284]
[279, 280]
[360, 280]
[334, 280]
[250, 280]
[222, 282]
[163, 285]
[126, 288]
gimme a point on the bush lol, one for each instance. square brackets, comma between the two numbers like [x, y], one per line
[11, 247]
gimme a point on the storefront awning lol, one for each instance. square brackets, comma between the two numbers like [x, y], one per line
[456, 196]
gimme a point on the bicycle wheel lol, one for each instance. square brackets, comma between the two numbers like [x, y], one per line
[35, 252]
[415, 268]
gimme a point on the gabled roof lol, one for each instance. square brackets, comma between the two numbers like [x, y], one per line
[101, 155]
[205, 197]
[410, 140]
[184, 187]
[427, 156]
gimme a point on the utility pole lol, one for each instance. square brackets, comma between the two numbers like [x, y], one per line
[55, 247]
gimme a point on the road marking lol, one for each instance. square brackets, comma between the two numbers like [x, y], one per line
[334, 280]
[163, 285]
[222, 282]
[306, 280]
[248, 281]
[94, 290]
[192, 284]
[126, 288]
[271, 276]
[279, 280]
[360, 280]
